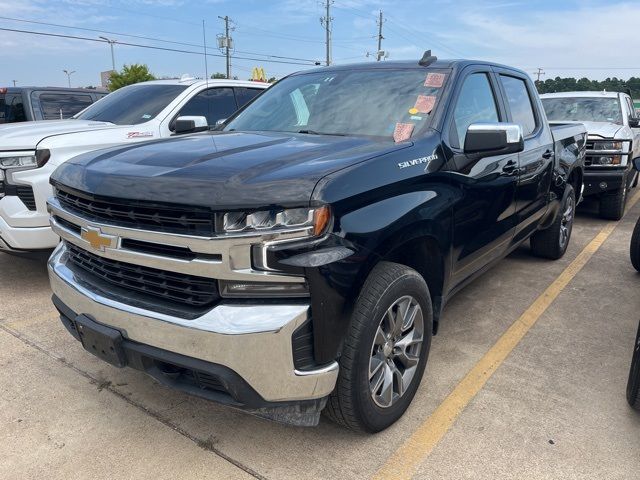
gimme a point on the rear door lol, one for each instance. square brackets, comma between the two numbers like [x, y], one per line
[484, 213]
[537, 159]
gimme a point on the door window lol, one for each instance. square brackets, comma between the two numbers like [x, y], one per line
[56, 106]
[245, 95]
[519, 103]
[475, 104]
[12, 108]
[215, 104]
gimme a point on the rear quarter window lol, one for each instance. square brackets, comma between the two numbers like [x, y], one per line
[12, 108]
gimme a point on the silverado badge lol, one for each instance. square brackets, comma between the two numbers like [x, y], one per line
[97, 239]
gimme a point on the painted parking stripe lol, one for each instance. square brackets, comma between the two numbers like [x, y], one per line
[404, 462]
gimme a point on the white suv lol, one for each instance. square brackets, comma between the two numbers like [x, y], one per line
[31, 151]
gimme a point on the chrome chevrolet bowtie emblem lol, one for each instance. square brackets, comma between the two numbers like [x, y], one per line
[97, 239]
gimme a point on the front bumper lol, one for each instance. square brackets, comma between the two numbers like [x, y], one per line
[601, 181]
[22, 228]
[253, 342]
[20, 239]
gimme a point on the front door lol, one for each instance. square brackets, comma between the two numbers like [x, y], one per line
[484, 211]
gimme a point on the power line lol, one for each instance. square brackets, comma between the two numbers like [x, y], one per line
[141, 37]
[152, 47]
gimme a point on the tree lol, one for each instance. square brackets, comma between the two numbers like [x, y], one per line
[272, 80]
[218, 75]
[129, 75]
[553, 85]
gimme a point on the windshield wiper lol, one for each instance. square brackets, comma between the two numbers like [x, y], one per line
[313, 132]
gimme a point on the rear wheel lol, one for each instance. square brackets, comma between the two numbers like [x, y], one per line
[633, 385]
[612, 204]
[552, 242]
[385, 351]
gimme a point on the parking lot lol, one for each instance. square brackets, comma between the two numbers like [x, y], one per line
[546, 399]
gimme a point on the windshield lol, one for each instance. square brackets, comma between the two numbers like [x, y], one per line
[376, 102]
[132, 105]
[583, 109]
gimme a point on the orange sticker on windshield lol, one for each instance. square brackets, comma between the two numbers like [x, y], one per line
[435, 80]
[424, 103]
[402, 132]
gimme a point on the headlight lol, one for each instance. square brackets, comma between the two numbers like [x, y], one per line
[315, 220]
[24, 159]
[607, 145]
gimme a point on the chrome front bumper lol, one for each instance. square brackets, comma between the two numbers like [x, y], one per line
[252, 340]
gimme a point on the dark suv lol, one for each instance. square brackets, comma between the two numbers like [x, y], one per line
[23, 104]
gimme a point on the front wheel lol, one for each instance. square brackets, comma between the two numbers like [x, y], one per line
[552, 242]
[385, 350]
[612, 204]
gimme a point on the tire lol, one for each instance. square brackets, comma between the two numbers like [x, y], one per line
[356, 403]
[552, 242]
[612, 204]
[633, 385]
[634, 249]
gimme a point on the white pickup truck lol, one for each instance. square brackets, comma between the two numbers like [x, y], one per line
[31, 151]
[613, 143]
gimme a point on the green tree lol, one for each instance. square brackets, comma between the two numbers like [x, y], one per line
[218, 75]
[272, 80]
[129, 75]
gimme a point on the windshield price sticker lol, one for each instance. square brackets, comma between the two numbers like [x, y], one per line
[435, 80]
[402, 132]
[424, 103]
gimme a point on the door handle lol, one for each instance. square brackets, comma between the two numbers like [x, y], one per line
[548, 154]
[510, 166]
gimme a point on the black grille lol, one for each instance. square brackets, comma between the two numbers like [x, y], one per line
[23, 192]
[138, 214]
[187, 290]
[302, 343]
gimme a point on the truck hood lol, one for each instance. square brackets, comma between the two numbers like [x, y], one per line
[219, 170]
[602, 129]
[27, 135]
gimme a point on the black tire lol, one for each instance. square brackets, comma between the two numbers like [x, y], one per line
[634, 249]
[633, 385]
[552, 242]
[612, 204]
[352, 402]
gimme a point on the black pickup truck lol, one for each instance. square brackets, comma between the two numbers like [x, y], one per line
[299, 258]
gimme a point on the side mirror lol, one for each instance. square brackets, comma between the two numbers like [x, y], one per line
[636, 163]
[634, 122]
[190, 124]
[487, 139]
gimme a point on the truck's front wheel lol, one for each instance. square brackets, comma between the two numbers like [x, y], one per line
[612, 204]
[385, 351]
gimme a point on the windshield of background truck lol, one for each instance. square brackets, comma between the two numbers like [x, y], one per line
[132, 105]
[583, 109]
[379, 103]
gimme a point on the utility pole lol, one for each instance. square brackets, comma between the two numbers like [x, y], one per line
[14, 82]
[226, 43]
[539, 73]
[113, 58]
[69, 73]
[380, 54]
[326, 23]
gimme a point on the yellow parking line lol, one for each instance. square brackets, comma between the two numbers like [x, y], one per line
[404, 462]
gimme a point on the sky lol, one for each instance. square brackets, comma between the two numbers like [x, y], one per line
[568, 38]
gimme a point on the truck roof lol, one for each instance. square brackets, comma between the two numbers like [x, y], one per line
[589, 94]
[444, 63]
[53, 89]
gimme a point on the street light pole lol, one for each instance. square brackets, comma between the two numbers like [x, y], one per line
[69, 73]
[113, 58]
